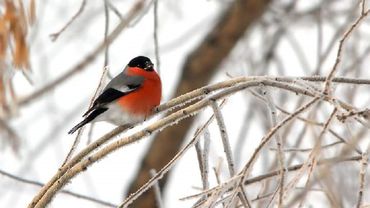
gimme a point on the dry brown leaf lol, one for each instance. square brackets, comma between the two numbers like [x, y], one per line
[10, 11]
[32, 13]
[3, 39]
[20, 55]
[2, 93]
[17, 29]
[22, 20]
[10, 16]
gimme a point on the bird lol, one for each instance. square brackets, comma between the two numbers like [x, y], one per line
[128, 98]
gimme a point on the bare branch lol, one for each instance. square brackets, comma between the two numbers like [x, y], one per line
[70, 193]
[311, 163]
[202, 156]
[106, 31]
[155, 36]
[279, 143]
[157, 190]
[11, 135]
[225, 137]
[115, 10]
[364, 163]
[340, 50]
[55, 36]
[245, 172]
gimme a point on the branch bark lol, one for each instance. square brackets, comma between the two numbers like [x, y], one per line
[199, 68]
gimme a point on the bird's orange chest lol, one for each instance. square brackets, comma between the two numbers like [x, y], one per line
[143, 100]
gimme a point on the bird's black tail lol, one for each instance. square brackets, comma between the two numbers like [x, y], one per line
[79, 125]
[89, 118]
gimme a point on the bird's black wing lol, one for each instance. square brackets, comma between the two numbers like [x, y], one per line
[108, 96]
[118, 87]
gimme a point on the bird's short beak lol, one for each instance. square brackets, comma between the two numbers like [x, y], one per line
[149, 66]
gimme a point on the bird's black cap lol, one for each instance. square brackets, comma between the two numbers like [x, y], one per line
[141, 62]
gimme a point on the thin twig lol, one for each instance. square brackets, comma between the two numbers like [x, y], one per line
[115, 10]
[319, 40]
[363, 7]
[13, 137]
[80, 131]
[340, 51]
[202, 156]
[308, 149]
[227, 147]
[245, 172]
[203, 162]
[155, 36]
[106, 31]
[260, 178]
[157, 190]
[364, 163]
[308, 121]
[311, 162]
[279, 143]
[70, 193]
[205, 155]
[224, 137]
[54, 36]
[76, 141]
[331, 44]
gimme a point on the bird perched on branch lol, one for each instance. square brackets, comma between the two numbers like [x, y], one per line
[128, 98]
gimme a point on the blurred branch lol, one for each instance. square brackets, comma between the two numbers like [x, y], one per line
[325, 54]
[106, 31]
[247, 168]
[54, 36]
[202, 156]
[10, 134]
[70, 193]
[157, 191]
[224, 137]
[309, 149]
[312, 159]
[279, 143]
[260, 178]
[340, 48]
[134, 11]
[155, 36]
[115, 10]
[364, 164]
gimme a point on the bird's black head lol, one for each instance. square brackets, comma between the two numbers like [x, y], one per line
[141, 62]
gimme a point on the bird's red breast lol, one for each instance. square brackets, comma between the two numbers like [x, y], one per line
[143, 100]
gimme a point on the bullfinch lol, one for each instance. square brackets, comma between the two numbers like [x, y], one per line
[128, 98]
